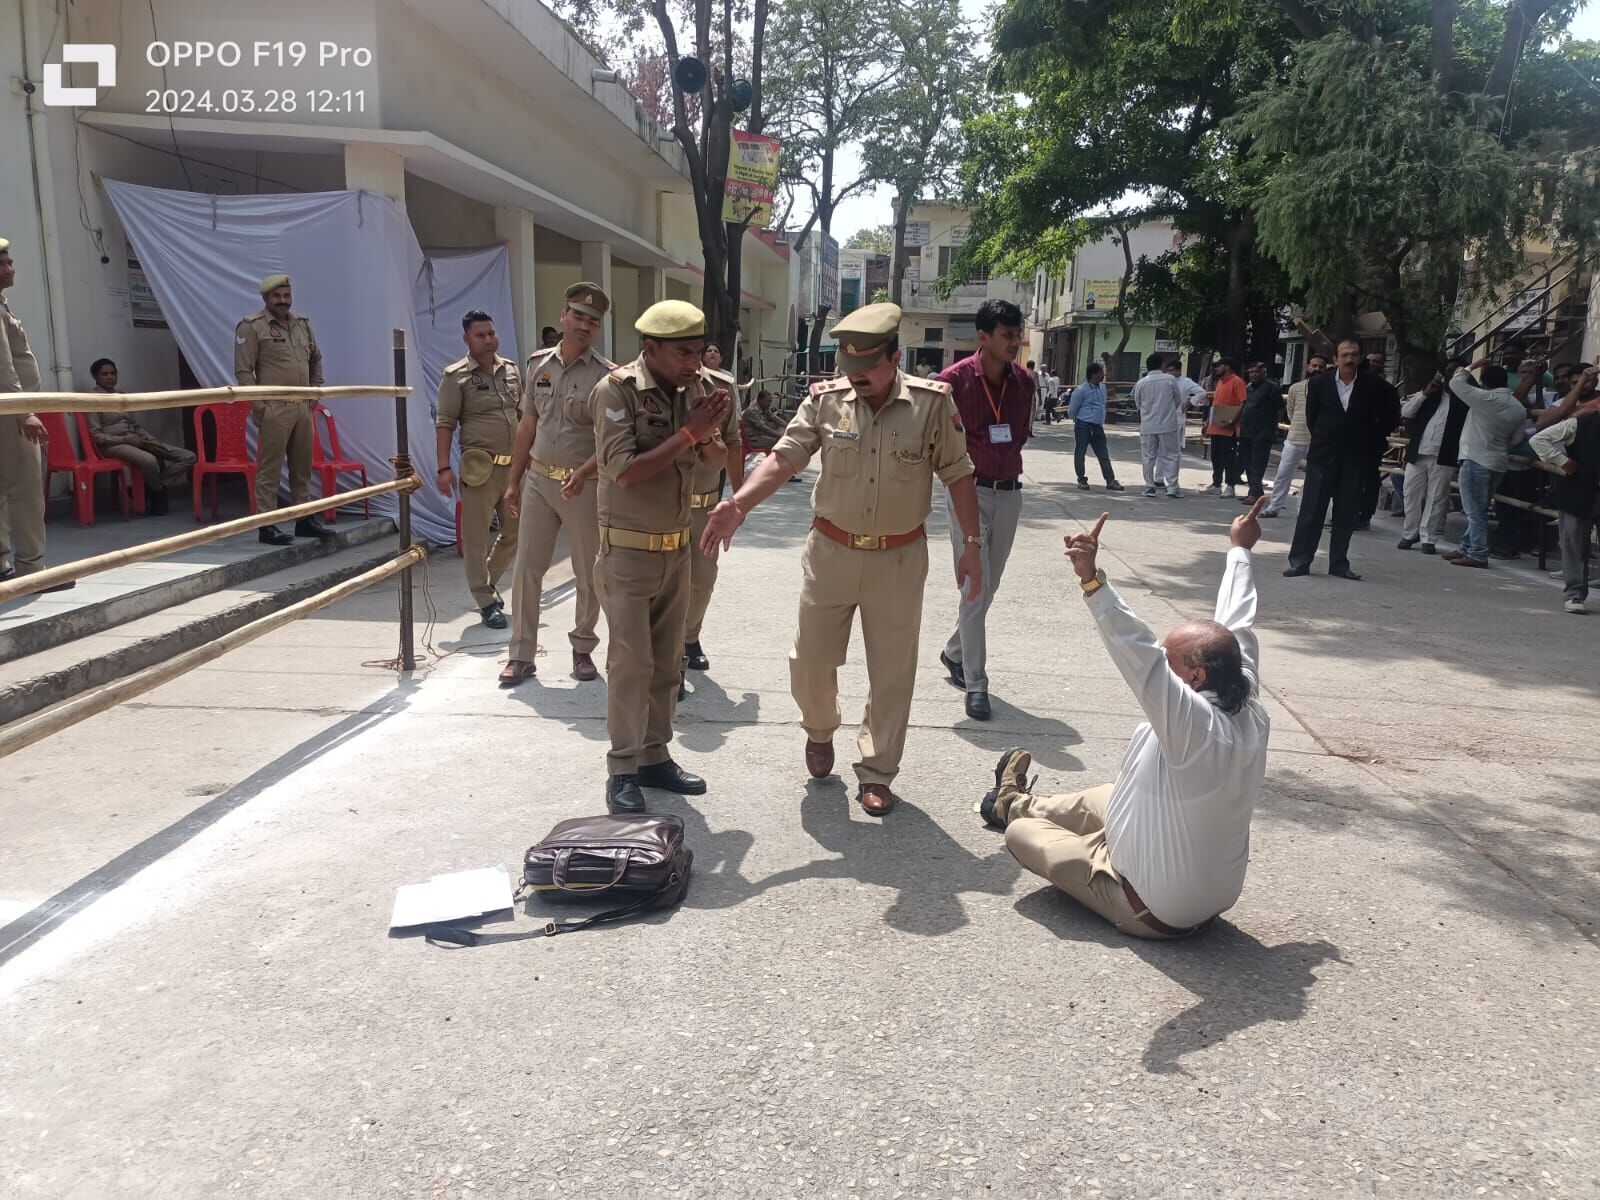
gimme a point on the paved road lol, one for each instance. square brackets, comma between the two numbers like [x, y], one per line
[1402, 1004]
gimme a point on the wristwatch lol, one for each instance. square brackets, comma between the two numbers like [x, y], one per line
[973, 539]
[1095, 584]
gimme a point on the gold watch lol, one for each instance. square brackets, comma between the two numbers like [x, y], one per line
[1095, 584]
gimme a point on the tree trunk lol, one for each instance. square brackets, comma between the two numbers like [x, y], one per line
[1238, 242]
[1520, 21]
[1443, 47]
[902, 210]
[1123, 318]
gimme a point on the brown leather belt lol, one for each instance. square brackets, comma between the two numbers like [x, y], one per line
[865, 541]
[1142, 911]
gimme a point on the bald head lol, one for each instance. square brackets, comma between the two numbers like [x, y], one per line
[1206, 656]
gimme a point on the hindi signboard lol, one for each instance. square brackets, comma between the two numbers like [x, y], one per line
[752, 179]
[918, 233]
[1100, 293]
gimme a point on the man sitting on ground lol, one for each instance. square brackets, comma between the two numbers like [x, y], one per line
[1160, 852]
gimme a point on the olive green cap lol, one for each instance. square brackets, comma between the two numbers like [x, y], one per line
[589, 299]
[274, 281]
[863, 334]
[671, 320]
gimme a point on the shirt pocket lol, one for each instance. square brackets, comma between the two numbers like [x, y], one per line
[841, 457]
[910, 458]
[651, 429]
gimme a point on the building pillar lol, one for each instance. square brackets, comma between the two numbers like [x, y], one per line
[374, 169]
[652, 286]
[596, 262]
[516, 226]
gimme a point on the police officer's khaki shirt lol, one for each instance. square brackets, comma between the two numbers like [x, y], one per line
[878, 468]
[634, 414]
[19, 372]
[109, 428]
[269, 352]
[558, 398]
[482, 403]
[708, 478]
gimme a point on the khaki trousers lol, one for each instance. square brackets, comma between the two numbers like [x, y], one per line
[886, 586]
[21, 498]
[283, 428]
[645, 594]
[702, 578]
[486, 563]
[166, 469]
[1063, 839]
[544, 515]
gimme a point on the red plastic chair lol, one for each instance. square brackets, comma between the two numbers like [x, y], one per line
[60, 456]
[331, 463]
[232, 451]
[91, 454]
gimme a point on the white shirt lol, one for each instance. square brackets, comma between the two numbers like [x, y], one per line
[1178, 821]
[1551, 444]
[1191, 391]
[1160, 403]
[1345, 390]
[1432, 439]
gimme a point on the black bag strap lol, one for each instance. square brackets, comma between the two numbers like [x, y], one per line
[460, 935]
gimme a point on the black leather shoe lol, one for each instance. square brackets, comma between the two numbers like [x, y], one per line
[492, 616]
[310, 527]
[1345, 573]
[697, 660]
[1406, 543]
[670, 777]
[623, 794]
[7, 573]
[978, 705]
[1295, 572]
[1427, 548]
[957, 677]
[273, 536]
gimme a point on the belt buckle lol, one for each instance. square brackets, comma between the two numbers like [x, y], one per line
[866, 541]
[665, 541]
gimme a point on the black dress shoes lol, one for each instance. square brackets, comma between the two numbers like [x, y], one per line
[1344, 573]
[978, 705]
[155, 501]
[1296, 572]
[957, 677]
[273, 536]
[670, 777]
[623, 794]
[492, 616]
[310, 527]
[697, 660]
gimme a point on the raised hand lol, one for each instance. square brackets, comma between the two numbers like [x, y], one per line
[1083, 547]
[722, 522]
[1246, 529]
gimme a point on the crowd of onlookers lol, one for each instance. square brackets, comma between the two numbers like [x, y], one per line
[1519, 445]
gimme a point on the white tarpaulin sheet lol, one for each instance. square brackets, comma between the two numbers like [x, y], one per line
[358, 275]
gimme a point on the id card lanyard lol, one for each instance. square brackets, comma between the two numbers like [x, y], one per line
[1000, 431]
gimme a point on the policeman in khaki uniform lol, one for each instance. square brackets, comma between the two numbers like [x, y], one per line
[707, 493]
[478, 394]
[551, 466]
[656, 420]
[883, 436]
[22, 437]
[276, 347]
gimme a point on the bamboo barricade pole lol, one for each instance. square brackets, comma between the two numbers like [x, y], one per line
[19, 403]
[25, 584]
[402, 470]
[26, 733]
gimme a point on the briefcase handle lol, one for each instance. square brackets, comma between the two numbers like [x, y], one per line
[558, 872]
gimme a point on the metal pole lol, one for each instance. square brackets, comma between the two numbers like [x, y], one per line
[402, 468]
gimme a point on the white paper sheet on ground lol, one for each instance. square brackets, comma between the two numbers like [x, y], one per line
[458, 896]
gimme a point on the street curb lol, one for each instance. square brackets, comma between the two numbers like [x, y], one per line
[50, 632]
[23, 699]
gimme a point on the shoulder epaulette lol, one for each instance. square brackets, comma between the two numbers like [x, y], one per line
[836, 384]
[937, 385]
[540, 355]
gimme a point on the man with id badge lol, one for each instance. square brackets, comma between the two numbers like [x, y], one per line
[995, 399]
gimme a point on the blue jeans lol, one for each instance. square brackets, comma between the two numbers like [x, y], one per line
[1477, 482]
[1087, 434]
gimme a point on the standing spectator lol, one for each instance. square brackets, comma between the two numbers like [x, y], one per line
[1087, 408]
[549, 337]
[1516, 528]
[1433, 421]
[118, 435]
[1493, 425]
[1222, 427]
[994, 400]
[1344, 408]
[1052, 394]
[1160, 405]
[1294, 446]
[1573, 444]
[1037, 410]
[1258, 427]
[1194, 396]
[1376, 364]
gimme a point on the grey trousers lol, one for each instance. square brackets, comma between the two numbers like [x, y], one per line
[1574, 536]
[1161, 455]
[997, 518]
[1289, 459]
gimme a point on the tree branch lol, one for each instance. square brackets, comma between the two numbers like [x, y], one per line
[680, 110]
[1308, 24]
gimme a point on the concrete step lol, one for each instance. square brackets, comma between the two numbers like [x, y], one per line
[112, 598]
[51, 676]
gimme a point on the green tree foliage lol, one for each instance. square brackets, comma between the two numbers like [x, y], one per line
[878, 238]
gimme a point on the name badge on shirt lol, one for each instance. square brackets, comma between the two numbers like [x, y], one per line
[999, 435]
[846, 435]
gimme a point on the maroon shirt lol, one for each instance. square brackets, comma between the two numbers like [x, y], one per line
[976, 399]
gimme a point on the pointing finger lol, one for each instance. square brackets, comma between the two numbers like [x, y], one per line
[1098, 526]
[1255, 509]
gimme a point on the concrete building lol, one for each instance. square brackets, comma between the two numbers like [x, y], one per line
[863, 274]
[938, 330]
[487, 119]
[1074, 313]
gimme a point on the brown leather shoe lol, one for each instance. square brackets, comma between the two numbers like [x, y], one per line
[819, 759]
[516, 671]
[876, 799]
[583, 668]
